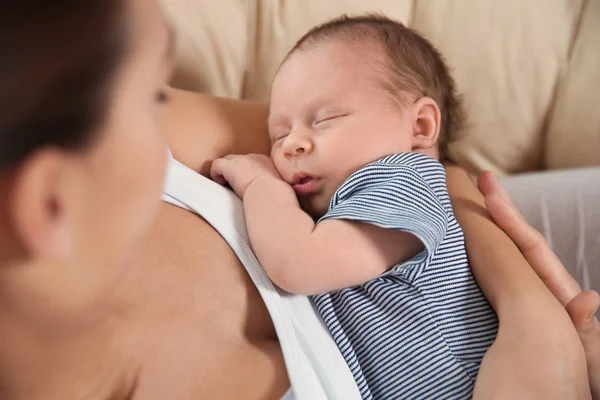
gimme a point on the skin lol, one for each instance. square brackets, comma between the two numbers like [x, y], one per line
[176, 229]
[323, 100]
[72, 221]
[580, 305]
[536, 353]
[317, 126]
[188, 232]
[144, 334]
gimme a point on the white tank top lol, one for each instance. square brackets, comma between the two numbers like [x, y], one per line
[315, 367]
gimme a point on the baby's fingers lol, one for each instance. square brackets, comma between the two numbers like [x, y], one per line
[217, 171]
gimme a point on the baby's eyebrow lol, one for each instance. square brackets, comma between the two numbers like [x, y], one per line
[271, 120]
[278, 120]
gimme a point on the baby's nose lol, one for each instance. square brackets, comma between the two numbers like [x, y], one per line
[297, 145]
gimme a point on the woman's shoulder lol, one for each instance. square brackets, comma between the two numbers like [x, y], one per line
[200, 128]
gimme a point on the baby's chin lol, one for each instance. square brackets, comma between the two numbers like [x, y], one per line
[314, 206]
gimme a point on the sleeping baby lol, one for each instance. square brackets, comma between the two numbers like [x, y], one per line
[352, 207]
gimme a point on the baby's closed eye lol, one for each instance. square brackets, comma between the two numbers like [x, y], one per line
[325, 119]
[277, 136]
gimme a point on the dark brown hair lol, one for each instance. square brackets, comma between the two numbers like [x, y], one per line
[412, 65]
[57, 60]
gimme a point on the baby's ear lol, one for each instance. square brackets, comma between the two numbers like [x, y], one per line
[426, 123]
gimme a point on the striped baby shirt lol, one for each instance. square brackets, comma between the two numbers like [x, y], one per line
[420, 330]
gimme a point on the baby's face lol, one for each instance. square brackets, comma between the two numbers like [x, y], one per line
[329, 117]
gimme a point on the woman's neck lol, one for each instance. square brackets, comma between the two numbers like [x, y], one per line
[41, 363]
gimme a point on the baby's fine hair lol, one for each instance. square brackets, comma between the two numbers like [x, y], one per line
[413, 65]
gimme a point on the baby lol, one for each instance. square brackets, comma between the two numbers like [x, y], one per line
[362, 110]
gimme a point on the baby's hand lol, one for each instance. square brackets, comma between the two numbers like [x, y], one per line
[240, 170]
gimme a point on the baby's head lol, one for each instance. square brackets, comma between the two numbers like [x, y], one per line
[352, 91]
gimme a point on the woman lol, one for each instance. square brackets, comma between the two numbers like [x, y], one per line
[82, 165]
[88, 310]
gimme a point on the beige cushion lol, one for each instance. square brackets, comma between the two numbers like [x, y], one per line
[507, 56]
[574, 126]
[528, 69]
[563, 206]
[211, 45]
[279, 24]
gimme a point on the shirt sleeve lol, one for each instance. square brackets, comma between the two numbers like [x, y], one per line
[393, 196]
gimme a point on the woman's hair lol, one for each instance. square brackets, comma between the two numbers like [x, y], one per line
[57, 61]
[412, 65]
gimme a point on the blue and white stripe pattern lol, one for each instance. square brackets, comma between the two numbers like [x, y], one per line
[420, 330]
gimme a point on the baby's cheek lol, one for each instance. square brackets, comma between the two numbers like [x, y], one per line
[279, 166]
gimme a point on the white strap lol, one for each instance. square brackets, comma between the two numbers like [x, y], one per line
[223, 210]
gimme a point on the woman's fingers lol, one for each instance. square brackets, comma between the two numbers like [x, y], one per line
[531, 243]
[488, 184]
[582, 312]
[581, 306]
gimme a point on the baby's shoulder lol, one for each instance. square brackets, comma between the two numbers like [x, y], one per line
[406, 166]
[417, 161]
[396, 171]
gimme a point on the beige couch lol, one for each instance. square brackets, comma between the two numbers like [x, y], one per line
[529, 69]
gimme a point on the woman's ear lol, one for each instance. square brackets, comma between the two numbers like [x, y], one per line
[426, 123]
[38, 205]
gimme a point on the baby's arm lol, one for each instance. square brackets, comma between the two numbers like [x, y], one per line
[307, 258]
[301, 256]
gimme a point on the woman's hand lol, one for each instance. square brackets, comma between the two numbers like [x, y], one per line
[239, 171]
[537, 352]
[581, 305]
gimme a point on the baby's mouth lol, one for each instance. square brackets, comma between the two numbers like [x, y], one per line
[305, 184]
